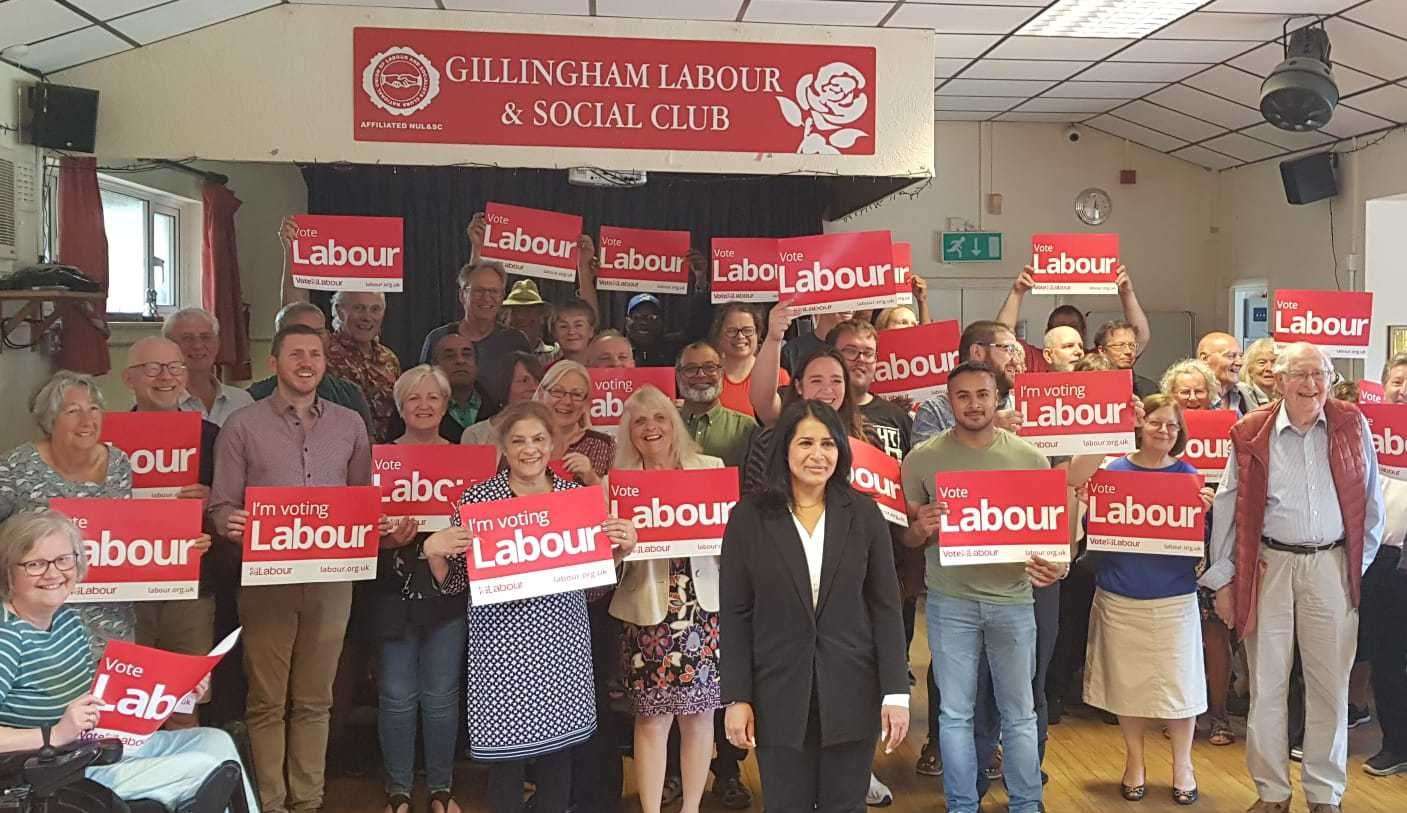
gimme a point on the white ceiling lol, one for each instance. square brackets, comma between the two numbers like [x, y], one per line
[1189, 89]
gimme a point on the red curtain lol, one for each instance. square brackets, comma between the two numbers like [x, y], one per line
[82, 244]
[219, 271]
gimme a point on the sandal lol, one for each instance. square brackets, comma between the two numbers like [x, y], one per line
[1184, 797]
[396, 801]
[1133, 793]
[444, 798]
[1221, 733]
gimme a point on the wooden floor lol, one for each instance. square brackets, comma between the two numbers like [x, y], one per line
[1084, 759]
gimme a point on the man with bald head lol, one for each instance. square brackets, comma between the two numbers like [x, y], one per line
[610, 349]
[1222, 353]
[1063, 347]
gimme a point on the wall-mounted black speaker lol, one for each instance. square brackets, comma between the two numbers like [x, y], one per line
[1310, 178]
[62, 117]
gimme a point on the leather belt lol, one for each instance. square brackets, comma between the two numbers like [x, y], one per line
[1302, 549]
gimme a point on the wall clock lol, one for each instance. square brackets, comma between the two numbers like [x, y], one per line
[1093, 206]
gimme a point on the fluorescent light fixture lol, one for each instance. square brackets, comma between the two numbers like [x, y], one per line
[1114, 19]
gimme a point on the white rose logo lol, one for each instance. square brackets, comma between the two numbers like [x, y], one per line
[825, 102]
[401, 81]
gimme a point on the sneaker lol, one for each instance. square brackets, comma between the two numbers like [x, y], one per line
[1385, 763]
[732, 793]
[930, 761]
[1357, 716]
[1297, 753]
[879, 794]
[673, 789]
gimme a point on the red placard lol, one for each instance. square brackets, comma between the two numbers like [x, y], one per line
[136, 550]
[164, 448]
[539, 90]
[915, 361]
[1074, 263]
[875, 473]
[140, 687]
[315, 534]
[745, 269]
[828, 273]
[611, 386]
[903, 267]
[537, 545]
[1146, 512]
[532, 242]
[1077, 413]
[426, 482]
[676, 513]
[998, 517]
[1371, 392]
[1336, 321]
[337, 253]
[643, 260]
[1388, 424]
[1209, 440]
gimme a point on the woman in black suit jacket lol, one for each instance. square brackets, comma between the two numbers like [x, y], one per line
[815, 667]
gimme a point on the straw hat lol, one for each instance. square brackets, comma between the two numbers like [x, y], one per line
[524, 294]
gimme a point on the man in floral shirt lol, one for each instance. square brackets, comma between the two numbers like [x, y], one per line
[354, 352]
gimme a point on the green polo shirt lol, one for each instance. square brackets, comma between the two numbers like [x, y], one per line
[721, 432]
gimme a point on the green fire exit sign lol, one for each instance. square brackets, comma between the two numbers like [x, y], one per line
[971, 246]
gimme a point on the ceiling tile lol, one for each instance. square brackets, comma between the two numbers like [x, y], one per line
[522, 6]
[1209, 25]
[1389, 101]
[1263, 60]
[25, 21]
[960, 115]
[1058, 105]
[1033, 3]
[1168, 121]
[1205, 157]
[1387, 15]
[1183, 50]
[1022, 89]
[1053, 118]
[1290, 141]
[67, 50]
[1135, 132]
[962, 45]
[1205, 106]
[1229, 83]
[1366, 50]
[1079, 89]
[1057, 48]
[1142, 71]
[107, 9]
[1243, 147]
[816, 12]
[1347, 121]
[182, 16]
[1023, 69]
[664, 9]
[1283, 6]
[948, 67]
[961, 19]
[972, 103]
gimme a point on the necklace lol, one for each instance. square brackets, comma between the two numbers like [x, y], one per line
[799, 506]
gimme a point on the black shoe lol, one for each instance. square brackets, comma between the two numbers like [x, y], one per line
[1109, 719]
[1045, 778]
[732, 793]
[930, 762]
[1385, 763]
[1357, 716]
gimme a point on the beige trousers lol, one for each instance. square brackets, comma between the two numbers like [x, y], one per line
[1303, 598]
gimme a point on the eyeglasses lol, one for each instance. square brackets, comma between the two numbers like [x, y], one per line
[740, 332]
[495, 294]
[575, 396]
[643, 317]
[1159, 426]
[1010, 348]
[152, 369]
[1121, 346]
[1318, 376]
[691, 370]
[858, 353]
[38, 567]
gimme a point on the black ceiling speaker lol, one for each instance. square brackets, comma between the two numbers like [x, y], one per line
[1300, 94]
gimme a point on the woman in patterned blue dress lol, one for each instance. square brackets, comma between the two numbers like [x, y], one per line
[530, 690]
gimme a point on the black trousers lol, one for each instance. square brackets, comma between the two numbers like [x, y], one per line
[1076, 599]
[831, 779]
[1384, 610]
[552, 774]
[596, 764]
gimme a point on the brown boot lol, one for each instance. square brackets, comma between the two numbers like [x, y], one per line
[1320, 807]
[1262, 806]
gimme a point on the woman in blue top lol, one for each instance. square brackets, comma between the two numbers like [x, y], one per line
[1144, 661]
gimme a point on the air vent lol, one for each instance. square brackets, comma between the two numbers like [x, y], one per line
[7, 209]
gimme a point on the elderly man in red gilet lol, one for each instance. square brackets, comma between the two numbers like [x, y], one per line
[1298, 519]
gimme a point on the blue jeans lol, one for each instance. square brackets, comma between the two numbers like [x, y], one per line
[420, 674]
[962, 635]
[170, 767]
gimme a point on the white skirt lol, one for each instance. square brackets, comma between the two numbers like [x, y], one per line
[1145, 657]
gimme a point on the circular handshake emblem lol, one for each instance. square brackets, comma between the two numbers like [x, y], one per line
[401, 81]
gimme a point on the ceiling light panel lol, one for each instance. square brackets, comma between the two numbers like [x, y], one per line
[1024, 69]
[1205, 157]
[1011, 88]
[23, 21]
[1135, 132]
[1078, 89]
[1207, 107]
[816, 12]
[960, 19]
[1168, 121]
[1115, 19]
[1057, 48]
[1242, 147]
[70, 49]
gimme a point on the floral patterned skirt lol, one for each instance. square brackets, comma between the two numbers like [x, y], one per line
[672, 667]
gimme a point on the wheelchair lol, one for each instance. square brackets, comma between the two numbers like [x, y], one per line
[50, 780]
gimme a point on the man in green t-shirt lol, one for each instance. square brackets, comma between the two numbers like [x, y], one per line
[979, 613]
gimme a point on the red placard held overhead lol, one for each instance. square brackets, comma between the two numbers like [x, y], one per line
[676, 513]
[1074, 263]
[829, 273]
[1209, 440]
[1077, 413]
[532, 242]
[164, 448]
[316, 534]
[643, 260]
[1002, 517]
[611, 386]
[1388, 424]
[136, 550]
[1336, 321]
[903, 268]
[426, 482]
[1146, 512]
[745, 269]
[1371, 392]
[537, 545]
[341, 253]
[915, 361]
[877, 474]
[140, 687]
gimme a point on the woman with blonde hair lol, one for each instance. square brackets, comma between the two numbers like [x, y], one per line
[1191, 383]
[896, 317]
[1258, 372]
[566, 392]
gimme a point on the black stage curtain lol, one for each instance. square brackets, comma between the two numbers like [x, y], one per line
[437, 203]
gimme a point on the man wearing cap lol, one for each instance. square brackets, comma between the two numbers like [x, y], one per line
[644, 326]
[529, 313]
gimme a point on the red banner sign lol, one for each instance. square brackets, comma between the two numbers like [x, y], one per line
[136, 550]
[532, 242]
[903, 268]
[877, 474]
[829, 273]
[164, 448]
[676, 513]
[1336, 321]
[1146, 512]
[537, 545]
[317, 534]
[426, 482]
[915, 361]
[1209, 440]
[1388, 424]
[540, 90]
[611, 386]
[336, 253]
[1371, 392]
[1074, 263]
[1077, 413]
[745, 269]
[643, 260]
[140, 687]
[1002, 517]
